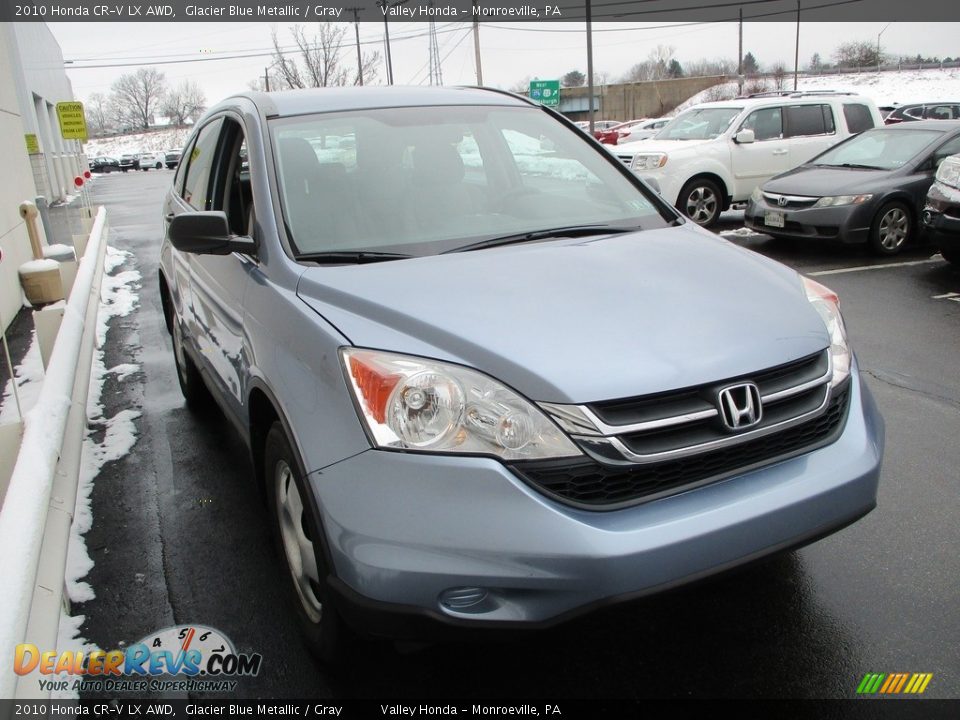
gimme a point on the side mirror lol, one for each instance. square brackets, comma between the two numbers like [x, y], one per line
[744, 137]
[207, 233]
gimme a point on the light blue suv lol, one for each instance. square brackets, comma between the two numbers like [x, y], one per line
[488, 378]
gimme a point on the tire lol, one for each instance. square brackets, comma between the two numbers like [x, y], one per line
[951, 255]
[296, 536]
[124, 169]
[188, 375]
[159, 166]
[701, 201]
[893, 227]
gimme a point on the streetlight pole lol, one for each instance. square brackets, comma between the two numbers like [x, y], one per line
[878, 43]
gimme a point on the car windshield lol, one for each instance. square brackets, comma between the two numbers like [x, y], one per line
[881, 148]
[426, 180]
[698, 124]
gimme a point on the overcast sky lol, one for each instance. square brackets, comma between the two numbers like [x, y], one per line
[510, 52]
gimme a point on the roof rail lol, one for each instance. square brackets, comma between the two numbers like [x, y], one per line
[794, 93]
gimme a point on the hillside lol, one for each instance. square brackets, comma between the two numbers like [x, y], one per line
[157, 140]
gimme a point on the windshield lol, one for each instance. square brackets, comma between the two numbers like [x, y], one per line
[426, 180]
[883, 149]
[698, 124]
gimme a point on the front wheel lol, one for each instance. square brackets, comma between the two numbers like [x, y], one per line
[701, 201]
[892, 229]
[298, 540]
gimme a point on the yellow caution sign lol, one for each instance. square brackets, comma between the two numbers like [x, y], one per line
[73, 123]
[33, 145]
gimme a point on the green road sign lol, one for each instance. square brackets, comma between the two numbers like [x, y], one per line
[545, 92]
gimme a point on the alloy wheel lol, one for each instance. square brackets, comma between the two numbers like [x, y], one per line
[894, 228]
[297, 545]
[701, 204]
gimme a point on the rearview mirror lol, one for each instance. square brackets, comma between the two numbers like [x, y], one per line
[744, 137]
[207, 233]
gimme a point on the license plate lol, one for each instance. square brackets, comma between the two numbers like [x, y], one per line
[773, 219]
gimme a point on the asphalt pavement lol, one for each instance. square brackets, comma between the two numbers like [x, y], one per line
[180, 532]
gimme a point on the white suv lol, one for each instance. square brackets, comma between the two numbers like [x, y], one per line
[150, 160]
[716, 153]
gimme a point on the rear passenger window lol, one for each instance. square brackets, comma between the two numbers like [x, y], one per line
[858, 117]
[805, 120]
[196, 186]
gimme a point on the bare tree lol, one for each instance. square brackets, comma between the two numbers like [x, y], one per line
[140, 94]
[521, 87]
[858, 54]
[708, 68]
[779, 71]
[185, 102]
[97, 112]
[319, 60]
[655, 67]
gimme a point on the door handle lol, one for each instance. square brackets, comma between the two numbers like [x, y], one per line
[169, 217]
[780, 152]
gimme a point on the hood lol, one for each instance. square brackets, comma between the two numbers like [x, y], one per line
[821, 181]
[651, 144]
[580, 320]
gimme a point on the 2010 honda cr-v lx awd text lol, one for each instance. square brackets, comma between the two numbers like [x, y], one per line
[489, 378]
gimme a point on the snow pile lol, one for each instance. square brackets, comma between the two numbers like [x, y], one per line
[156, 141]
[28, 376]
[884, 88]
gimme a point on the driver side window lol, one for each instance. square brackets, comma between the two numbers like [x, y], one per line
[767, 124]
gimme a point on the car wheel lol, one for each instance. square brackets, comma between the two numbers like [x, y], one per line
[951, 255]
[701, 201]
[892, 229]
[297, 539]
[188, 375]
[159, 166]
[124, 169]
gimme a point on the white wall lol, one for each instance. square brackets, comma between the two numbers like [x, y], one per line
[16, 187]
[41, 82]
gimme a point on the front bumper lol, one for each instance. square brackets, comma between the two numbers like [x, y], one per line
[845, 224]
[404, 528]
[941, 216]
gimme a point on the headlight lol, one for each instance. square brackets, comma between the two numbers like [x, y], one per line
[757, 195]
[649, 161]
[949, 172]
[841, 200]
[413, 403]
[827, 304]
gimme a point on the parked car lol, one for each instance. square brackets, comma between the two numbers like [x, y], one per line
[104, 164]
[870, 188]
[717, 153]
[949, 110]
[642, 130]
[941, 215]
[130, 161]
[447, 433]
[151, 160]
[171, 159]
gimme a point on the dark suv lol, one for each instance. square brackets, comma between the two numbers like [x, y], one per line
[949, 110]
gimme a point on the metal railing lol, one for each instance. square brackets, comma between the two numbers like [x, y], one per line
[40, 501]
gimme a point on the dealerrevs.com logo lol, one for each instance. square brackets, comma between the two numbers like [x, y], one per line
[182, 658]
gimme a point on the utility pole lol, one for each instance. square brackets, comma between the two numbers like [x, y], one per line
[385, 5]
[740, 57]
[476, 41]
[266, 78]
[879, 59]
[796, 52]
[356, 27]
[436, 74]
[590, 64]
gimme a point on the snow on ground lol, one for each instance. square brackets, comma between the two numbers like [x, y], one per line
[884, 88]
[158, 140]
[29, 378]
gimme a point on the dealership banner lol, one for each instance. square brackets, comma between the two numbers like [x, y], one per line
[469, 10]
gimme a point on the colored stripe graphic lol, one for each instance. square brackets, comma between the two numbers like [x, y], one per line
[894, 683]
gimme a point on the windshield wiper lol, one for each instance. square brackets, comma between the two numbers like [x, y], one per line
[855, 166]
[338, 257]
[568, 231]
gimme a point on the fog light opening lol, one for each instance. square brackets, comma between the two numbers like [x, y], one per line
[463, 598]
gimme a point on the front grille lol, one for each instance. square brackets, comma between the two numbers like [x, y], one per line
[626, 159]
[794, 202]
[603, 487]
